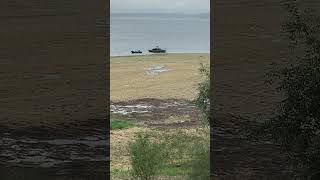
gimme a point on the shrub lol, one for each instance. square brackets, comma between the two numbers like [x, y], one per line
[297, 123]
[200, 162]
[203, 98]
[146, 157]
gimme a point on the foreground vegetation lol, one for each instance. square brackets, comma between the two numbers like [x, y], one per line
[296, 126]
[170, 154]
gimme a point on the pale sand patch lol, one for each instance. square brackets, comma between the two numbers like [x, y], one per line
[129, 80]
[154, 70]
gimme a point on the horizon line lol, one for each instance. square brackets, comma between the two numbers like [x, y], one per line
[133, 12]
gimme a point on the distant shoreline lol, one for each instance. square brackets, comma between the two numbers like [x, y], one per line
[160, 54]
[206, 14]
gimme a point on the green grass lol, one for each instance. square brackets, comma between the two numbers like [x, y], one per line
[120, 124]
[172, 170]
[120, 172]
[180, 153]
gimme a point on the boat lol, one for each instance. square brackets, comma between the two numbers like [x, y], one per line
[135, 52]
[157, 50]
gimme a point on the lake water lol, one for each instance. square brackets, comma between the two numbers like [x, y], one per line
[176, 33]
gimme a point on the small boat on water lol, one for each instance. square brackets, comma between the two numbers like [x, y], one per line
[136, 52]
[157, 50]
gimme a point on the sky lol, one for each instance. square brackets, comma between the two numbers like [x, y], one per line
[160, 6]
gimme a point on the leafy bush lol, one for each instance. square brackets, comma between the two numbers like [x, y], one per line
[146, 157]
[297, 123]
[200, 162]
[203, 98]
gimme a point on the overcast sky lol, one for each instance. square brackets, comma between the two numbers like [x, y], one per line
[159, 6]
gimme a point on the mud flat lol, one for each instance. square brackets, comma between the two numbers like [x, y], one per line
[155, 113]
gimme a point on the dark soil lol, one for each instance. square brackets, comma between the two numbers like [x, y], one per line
[155, 112]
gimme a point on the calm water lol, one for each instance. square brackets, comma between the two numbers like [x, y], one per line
[173, 32]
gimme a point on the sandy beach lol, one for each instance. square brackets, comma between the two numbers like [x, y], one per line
[163, 76]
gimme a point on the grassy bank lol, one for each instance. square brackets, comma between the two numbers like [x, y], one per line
[176, 154]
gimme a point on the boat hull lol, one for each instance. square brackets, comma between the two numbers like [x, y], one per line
[136, 52]
[161, 51]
